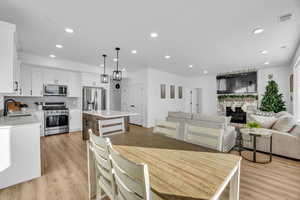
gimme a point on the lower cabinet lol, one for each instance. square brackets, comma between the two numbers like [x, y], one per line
[40, 116]
[89, 122]
[75, 118]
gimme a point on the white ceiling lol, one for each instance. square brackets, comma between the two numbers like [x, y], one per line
[210, 34]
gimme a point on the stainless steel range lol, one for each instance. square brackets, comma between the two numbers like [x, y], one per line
[56, 118]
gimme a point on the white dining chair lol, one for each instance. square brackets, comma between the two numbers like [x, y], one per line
[132, 179]
[103, 166]
[111, 126]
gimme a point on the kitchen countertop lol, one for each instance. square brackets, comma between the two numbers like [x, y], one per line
[110, 113]
[8, 122]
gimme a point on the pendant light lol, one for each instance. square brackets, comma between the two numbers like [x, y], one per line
[117, 74]
[104, 77]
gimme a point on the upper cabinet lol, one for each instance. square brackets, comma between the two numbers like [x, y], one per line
[9, 64]
[74, 84]
[31, 81]
[91, 80]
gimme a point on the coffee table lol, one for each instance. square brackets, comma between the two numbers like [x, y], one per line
[254, 133]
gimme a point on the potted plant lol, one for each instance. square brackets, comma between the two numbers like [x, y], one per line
[252, 126]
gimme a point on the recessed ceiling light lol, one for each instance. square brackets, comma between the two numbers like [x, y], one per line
[153, 35]
[134, 51]
[266, 63]
[190, 66]
[258, 30]
[115, 59]
[205, 71]
[102, 65]
[59, 46]
[69, 30]
[167, 57]
[52, 56]
[264, 52]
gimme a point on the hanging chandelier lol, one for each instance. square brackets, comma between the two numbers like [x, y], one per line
[104, 77]
[117, 74]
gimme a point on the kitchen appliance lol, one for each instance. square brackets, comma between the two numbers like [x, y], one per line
[56, 118]
[55, 90]
[93, 98]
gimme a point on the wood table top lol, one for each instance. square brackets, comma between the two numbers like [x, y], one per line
[257, 131]
[183, 174]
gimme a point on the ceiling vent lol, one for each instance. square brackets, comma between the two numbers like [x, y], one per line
[286, 17]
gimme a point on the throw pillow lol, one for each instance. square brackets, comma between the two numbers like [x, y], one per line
[283, 113]
[264, 122]
[296, 131]
[284, 124]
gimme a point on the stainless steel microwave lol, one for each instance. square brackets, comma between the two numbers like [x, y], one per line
[55, 90]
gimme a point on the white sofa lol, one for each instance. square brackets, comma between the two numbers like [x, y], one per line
[205, 130]
[285, 143]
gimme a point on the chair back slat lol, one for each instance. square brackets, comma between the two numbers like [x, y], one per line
[132, 179]
[126, 194]
[105, 180]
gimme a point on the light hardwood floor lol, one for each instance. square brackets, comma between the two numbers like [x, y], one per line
[65, 170]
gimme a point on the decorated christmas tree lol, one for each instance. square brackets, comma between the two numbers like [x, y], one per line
[272, 100]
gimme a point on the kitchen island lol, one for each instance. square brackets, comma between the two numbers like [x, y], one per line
[90, 120]
[21, 149]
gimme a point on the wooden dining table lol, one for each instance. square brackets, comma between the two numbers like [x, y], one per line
[181, 174]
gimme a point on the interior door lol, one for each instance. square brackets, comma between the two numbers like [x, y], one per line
[135, 103]
[195, 100]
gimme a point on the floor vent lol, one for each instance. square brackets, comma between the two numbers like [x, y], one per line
[286, 17]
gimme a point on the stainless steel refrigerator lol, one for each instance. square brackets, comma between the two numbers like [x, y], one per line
[93, 98]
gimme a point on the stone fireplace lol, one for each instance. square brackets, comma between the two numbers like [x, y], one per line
[235, 105]
[237, 115]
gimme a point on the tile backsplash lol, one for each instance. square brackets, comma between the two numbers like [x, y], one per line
[71, 102]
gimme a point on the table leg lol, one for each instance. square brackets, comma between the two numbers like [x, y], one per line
[234, 193]
[91, 173]
[254, 148]
[126, 123]
[271, 153]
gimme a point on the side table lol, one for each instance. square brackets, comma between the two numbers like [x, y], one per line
[254, 133]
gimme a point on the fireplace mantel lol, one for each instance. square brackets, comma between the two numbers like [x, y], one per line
[234, 100]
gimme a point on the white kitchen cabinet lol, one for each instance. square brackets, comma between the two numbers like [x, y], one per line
[74, 84]
[25, 154]
[55, 76]
[17, 77]
[75, 119]
[63, 77]
[91, 79]
[31, 81]
[40, 116]
[37, 80]
[50, 76]
[8, 57]
[25, 87]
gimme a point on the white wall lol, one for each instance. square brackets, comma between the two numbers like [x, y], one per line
[208, 84]
[133, 78]
[158, 108]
